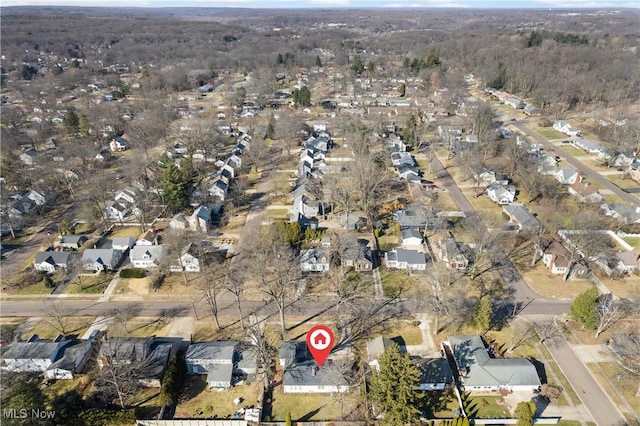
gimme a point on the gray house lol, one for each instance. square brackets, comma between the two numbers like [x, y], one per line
[479, 371]
[72, 241]
[34, 355]
[302, 374]
[519, 214]
[50, 261]
[102, 260]
[435, 373]
[215, 359]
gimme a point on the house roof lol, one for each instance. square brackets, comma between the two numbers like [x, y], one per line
[148, 235]
[102, 256]
[202, 212]
[36, 349]
[123, 241]
[411, 257]
[377, 346]
[471, 356]
[70, 356]
[180, 217]
[520, 214]
[451, 248]
[53, 257]
[582, 189]
[292, 351]
[567, 172]
[433, 370]
[220, 374]
[72, 239]
[412, 216]
[314, 255]
[629, 258]
[307, 373]
[411, 233]
[218, 350]
[146, 252]
[553, 247]
[247, 356]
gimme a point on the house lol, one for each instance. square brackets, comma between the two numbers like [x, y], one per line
[567, 175]
[146, 257]
[629, 260]
[29, 157]
[356, 254]
[101, 260]
[35, 196]
[50, 261]
[235, 162]
[634, 170]
[585, 193]
[34, 355]
[531, 110]
[179, 221]
[147, 238]
[215, 359]
[405, 259]
[72, 358]
[118, 210]
[472, 139]
[399, 158]
[480, 372]
[566, 128]
[501, 194]
[188, 260]
[72, 241]
[412, 239]
[123, 243]
[408, 172]
[456, 255]
[319, 126]
[485, 177]
[556, 258]
[412, 216]
[623, 212]
[119, 144]
[302, 374]
[219, 189]
[315, 260]
[435, 373]
[200, 219]
[150, 354]
[591, 146]
[519, 214]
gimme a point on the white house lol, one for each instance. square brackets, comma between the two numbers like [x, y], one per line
[566, 128]
[405, 259]
[567, 175]
[501, 194]
[102, 260]
[119, 144]
[585, 193]
[412, 239]
[315, 260]
[589, 145]
[72, 358]
[146, 257]
[50, 261]
[123, 243]
[147, 238]
[34, 355]
[188, 261]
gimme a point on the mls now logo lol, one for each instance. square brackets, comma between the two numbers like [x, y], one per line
[23, 413]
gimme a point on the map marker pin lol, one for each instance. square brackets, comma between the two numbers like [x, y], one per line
[320, 342]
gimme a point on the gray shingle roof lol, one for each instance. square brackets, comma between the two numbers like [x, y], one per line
[221, 350]
[471, 355]
[433, 370]
[53, 257]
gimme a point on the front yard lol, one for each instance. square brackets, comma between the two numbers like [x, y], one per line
[315, 407]
[549, 285]
[395, 281]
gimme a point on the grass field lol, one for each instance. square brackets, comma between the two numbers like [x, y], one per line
[486, 407]
[125, 231]
[313, 407]
[93, 284]
[548, 285]
[548, 133]
[49, 328]
[394, 281]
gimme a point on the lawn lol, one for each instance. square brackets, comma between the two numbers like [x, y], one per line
[633, 242]
[277, 213]
[546, 284]
[125, 231]
[578, 153]
[627, 287]
[7, 325]
[548, 133]
[492, 407]
[198, 401]
[406, 329]
[490, 212]
[394, 281]
[624, 381]
[37, 288]
[92, 284]
[49, 328]
[139, 326]
[313, 407]
[388, 242]
[81, 383]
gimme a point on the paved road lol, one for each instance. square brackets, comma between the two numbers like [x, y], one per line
[593, 397]
[530, 302]
[584, 169]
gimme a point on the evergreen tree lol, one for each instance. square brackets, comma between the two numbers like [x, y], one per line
[318, 61]
[371, 66]
[24, 395]
[535, 39]
[409, 130]
[357, 65]
[393, 387]
[484, 314]
[583, 308]
[287, 421]
[67, 407]
[174, 187]
[83, 125]
[302, 96]
[71, 121]
[271, 128]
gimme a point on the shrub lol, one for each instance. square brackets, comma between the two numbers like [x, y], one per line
[132, 273]
[156, 281]
[104, 417]
[48, 282]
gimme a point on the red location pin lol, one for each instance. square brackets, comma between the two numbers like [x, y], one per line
[320, 342]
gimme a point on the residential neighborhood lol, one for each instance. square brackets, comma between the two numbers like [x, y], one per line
[186, 193]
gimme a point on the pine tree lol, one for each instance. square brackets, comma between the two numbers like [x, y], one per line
[318, 61]
[583, 308]
[287, 421]
[393, 387]
[484, 314]
[71, 121]
[525, 412]
[174, 187]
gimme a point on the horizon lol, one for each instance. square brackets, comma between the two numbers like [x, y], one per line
[548, 5]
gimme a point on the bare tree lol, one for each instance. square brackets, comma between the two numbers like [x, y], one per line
[214, 274]
[276, 269]
[519, 334]
[609, 312]
[58, 316]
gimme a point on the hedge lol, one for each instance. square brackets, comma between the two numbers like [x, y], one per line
[132, 273]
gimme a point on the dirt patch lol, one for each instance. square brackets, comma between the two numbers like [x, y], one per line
[136, 285]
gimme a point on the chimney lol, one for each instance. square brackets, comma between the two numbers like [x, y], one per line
[314, 370]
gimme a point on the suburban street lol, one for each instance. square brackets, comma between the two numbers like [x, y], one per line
[585, 170]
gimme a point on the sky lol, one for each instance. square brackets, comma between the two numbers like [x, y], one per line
[297, 4]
